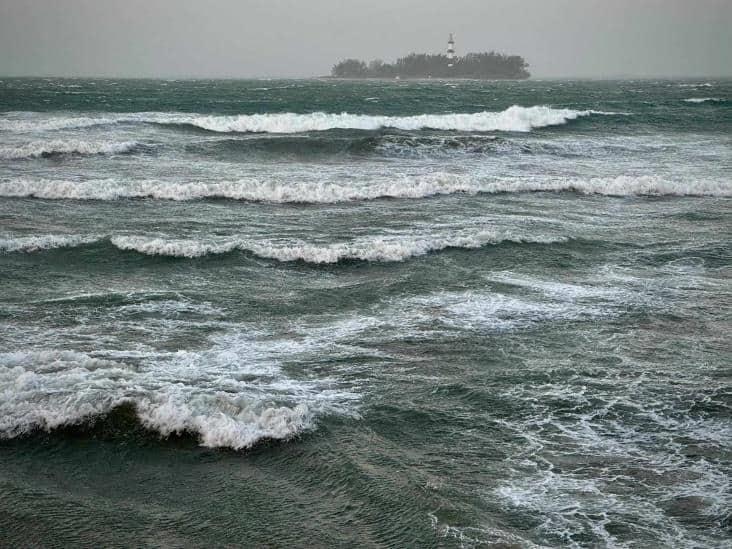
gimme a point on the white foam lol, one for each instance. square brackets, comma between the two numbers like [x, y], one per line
[31, 122]
[382, 249]
[42, 242]
[514, 119]
[377, 248]
[240, 428]
[35, 149]
[245, 189]
[643, 185]
[703, 100]
[231, 394]
[399, 186]
[172, 248]
[492, 311]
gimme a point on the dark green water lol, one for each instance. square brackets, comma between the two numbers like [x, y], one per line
[379, 314]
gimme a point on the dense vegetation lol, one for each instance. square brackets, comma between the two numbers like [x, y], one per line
[422, 65]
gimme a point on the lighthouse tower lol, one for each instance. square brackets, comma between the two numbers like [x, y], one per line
[450, 51]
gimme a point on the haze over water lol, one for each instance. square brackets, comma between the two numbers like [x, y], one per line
[380, 313]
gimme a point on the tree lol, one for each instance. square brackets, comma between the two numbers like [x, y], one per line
[490, 65]
[350, 68]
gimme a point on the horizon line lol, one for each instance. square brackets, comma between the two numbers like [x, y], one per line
[329, 77]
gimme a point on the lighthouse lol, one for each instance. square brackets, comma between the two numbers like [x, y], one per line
[450, 51]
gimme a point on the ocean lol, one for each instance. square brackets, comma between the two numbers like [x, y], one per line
[321, 313]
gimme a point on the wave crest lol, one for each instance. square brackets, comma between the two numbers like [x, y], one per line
[704, 100]
[377, 249]
[52, 389]
[37, 149]
[171, 248]
[512, 119]
[43, 242]
[413, 187]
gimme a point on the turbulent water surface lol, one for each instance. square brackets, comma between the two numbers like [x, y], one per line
[320, 313]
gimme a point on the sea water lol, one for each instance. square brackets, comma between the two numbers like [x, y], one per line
[330, 313]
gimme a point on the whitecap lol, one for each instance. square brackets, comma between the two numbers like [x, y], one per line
[325, 192]
[35, 149]
[9, 243]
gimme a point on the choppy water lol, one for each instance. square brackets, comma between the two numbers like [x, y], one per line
[319, 313]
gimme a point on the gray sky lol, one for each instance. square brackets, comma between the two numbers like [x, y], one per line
[242, 38]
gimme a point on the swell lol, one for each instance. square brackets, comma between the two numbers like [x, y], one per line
[373, 249]
[385, 144]
[36, 243]
[400, 186]
[56, 147]
[698, 100]
[42, 389]
[513, 119]
[125, 419]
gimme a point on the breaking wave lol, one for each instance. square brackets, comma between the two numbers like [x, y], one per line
[172, 248]
[381, 249]
[21, 122]
[56, 389]
[704, 100]
[377, 249]
[43, 242]
[54, 147]
[516, 119]
[644, 185]
[513, 119]
[256, 190]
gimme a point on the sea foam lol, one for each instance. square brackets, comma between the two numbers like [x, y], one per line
[379, 249]
[51, 389]
[704, 100]
[399, 186]
[42, 242]
[36, 149]
[516, 119]
[513, 119]
[253, 398]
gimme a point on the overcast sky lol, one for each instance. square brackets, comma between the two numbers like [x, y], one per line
[249, 38]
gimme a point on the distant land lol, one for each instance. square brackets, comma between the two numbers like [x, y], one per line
[490, 65]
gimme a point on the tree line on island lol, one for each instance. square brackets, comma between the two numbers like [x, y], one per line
[490, 65]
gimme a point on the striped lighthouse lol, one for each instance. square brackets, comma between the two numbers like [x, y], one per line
[450, 51]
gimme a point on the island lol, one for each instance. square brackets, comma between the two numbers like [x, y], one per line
[488, 66]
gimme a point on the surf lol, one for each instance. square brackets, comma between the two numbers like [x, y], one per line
[513, 119]
[327, 192]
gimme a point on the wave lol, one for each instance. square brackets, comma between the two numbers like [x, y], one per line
[704, 100]
[516, 118]
[412, 187]
[62, 389]
[375, 249]
[54, 147]
[378, 249]
[643, 185]
[246, 189]
[170, 418]
[513, 119]
[172, 248]
[22, 122]
[43, 242]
